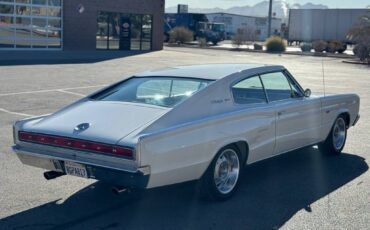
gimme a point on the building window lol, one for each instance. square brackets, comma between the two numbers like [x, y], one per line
[146, 42]
[31, 24]
[111, 35]
[136, 22]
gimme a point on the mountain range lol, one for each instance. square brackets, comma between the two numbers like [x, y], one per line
[280, 9]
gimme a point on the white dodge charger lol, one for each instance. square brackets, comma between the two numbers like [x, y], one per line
[173, 125]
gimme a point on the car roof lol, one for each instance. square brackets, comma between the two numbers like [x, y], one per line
[208, 71]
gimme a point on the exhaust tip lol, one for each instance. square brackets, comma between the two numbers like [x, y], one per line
[119, 190]
[52, 175]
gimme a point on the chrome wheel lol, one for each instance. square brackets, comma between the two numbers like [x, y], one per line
[226, 171]
[339, 133]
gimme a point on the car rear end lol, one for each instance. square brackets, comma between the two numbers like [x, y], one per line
[98, 137]
[61, 155]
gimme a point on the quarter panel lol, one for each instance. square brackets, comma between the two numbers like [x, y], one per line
[183, 153]
[334, 105]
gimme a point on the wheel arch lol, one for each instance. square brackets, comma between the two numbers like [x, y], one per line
[347, 117]
[244, 150]
[242, 146]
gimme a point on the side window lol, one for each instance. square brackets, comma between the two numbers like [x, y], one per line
[296, 91]
[277, 86]
[249, 91]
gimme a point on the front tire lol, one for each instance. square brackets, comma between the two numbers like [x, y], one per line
[222, 177]
[335, 142]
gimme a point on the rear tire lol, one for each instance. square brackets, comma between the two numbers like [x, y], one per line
[335, 142]
[222, 177]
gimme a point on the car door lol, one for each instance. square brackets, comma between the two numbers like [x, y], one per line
[257, 124]
[298, 118]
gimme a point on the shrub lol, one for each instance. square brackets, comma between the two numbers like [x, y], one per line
[362, 52]
[319, 46]
[257, 46]
[361, 35]
[243, 36]
[331, 48]
[181, 35]
[275, 44]
[306, 47]
[336, 46]
[202, 42]
[342, 49]
[239, 39]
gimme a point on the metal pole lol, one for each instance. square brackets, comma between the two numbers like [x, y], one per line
[269, 20]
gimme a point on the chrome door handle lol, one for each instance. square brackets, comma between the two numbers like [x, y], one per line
[280, 113]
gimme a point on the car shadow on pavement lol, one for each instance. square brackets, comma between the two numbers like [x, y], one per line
[270, 193]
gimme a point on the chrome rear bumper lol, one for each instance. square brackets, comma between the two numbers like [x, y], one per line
[114, 176]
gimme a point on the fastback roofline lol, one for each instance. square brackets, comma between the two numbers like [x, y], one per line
[215, 100]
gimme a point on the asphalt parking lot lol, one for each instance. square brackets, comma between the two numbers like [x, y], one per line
[298, 190]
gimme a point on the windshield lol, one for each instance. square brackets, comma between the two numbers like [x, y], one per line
[218, 27]
[160, 91]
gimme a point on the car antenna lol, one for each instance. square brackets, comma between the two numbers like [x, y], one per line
[323, 75]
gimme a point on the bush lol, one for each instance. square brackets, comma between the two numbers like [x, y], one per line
[361, 36]
[257, 46]
[336, 46]
[331, 48]
[239, 39]
[319, 46]
[243, 36]
[342, 49]
[306, 47]
[275, 44]
[362, 52]
[181, 35]
[202, 42]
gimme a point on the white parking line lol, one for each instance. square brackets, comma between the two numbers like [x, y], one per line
[50, 90]
[68, 92]
[15, 113]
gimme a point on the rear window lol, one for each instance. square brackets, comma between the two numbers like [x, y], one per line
[160, 91]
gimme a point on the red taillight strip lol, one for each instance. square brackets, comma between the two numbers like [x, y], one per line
[76, 144]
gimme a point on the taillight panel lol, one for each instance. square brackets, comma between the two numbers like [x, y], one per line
[76, 144]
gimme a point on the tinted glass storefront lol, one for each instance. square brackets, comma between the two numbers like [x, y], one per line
[124, 31]
[30, 24]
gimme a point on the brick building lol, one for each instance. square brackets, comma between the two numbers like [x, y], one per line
[81, 24]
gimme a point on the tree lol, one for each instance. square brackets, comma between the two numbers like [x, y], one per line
[181, 35]
[361, 36]
[243, 36]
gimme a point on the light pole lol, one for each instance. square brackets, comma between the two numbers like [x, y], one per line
[269, 20]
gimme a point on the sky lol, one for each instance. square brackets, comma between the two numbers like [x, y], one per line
[230, 3]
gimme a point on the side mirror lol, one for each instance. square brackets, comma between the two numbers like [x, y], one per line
[307, 93]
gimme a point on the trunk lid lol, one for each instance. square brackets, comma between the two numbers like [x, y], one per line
[108, 122]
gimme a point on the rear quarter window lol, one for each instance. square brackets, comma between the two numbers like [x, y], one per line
[249, 91]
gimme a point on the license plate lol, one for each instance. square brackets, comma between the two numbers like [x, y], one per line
[75, 169]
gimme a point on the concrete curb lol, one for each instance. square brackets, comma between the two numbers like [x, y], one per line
[342, 56]
[356, 63]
